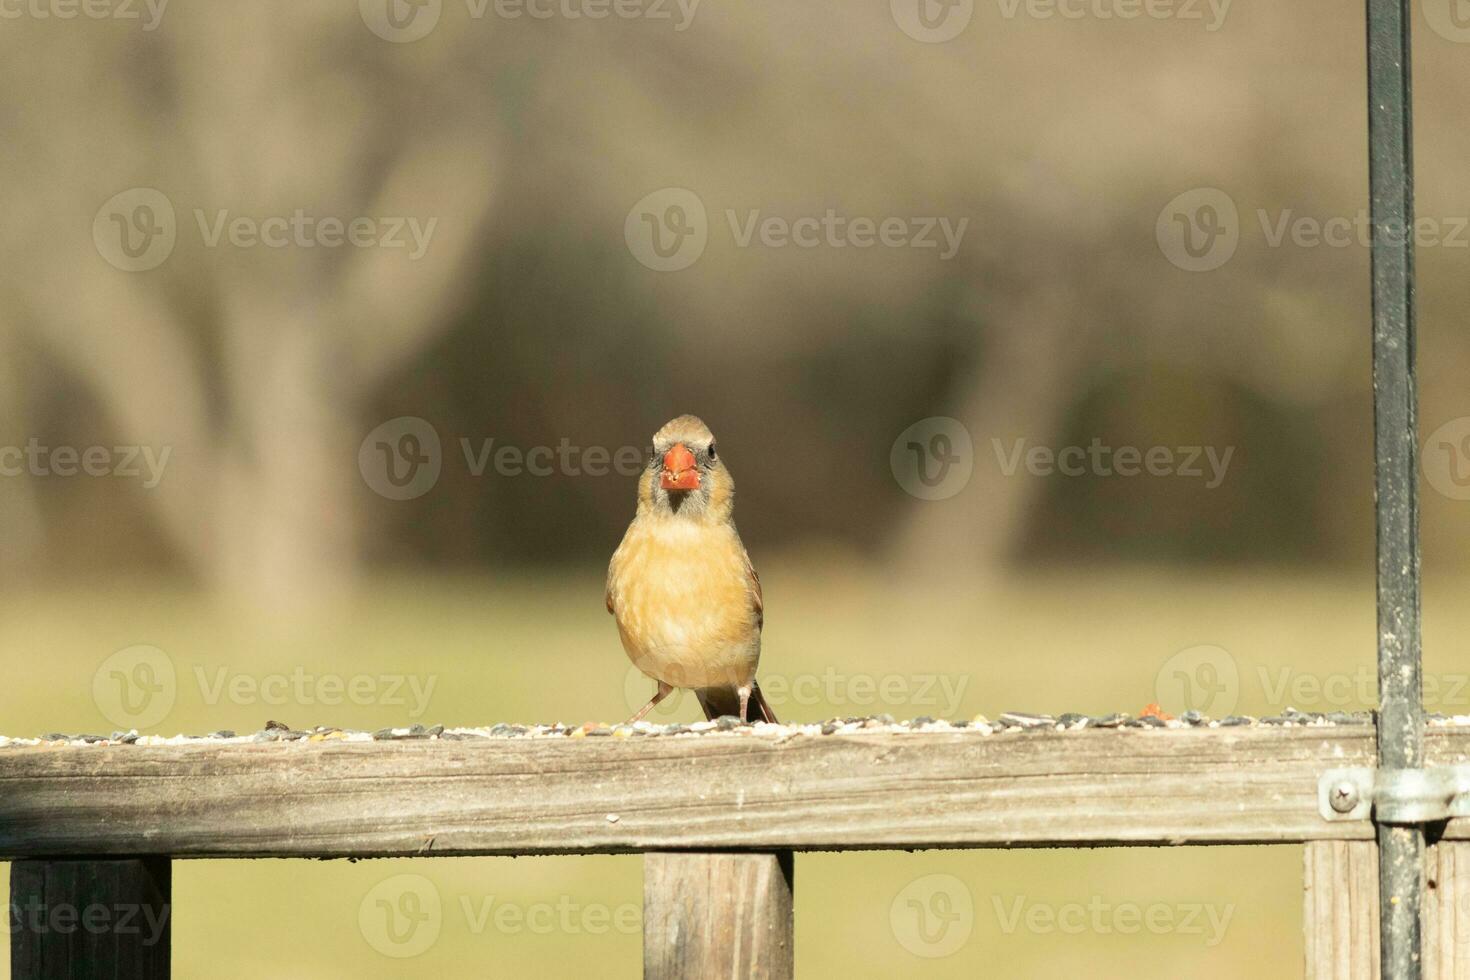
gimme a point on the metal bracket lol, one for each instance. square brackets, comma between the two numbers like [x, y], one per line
[1395, 796]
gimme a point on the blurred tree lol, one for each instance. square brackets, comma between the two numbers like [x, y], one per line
[250, 363]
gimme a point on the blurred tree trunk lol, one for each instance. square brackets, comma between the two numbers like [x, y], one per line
[20, 513]
[1034, 355]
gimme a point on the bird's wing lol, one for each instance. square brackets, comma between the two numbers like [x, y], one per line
[613, 566]
[757, 601]
[611, 569]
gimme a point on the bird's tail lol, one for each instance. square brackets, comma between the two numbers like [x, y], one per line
[760, 710]
[717, 701]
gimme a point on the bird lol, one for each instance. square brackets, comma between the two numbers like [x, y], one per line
[680, 586]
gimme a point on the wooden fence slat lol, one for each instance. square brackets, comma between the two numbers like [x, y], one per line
[90, 918]
[717, 915]
[1340, 912]
[1447, 911]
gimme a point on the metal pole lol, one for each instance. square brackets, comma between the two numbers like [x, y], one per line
[1400, 691]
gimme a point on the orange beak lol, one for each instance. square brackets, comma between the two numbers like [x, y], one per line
[679, 471]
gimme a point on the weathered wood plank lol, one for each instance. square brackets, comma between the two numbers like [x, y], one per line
[717, 915]
[90, 918]
[712, 792]
[1447, 911]
[1341, 911]
[1340, 915]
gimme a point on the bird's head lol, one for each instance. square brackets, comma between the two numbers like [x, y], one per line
[685, 476]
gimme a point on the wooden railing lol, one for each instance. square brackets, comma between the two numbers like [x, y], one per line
[716, 815]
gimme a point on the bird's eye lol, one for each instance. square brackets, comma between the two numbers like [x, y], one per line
[712, 456]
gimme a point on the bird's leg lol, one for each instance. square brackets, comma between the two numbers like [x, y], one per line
[664, 691]
[744, 693]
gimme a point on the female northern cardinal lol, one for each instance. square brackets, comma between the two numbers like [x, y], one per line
[687, 603]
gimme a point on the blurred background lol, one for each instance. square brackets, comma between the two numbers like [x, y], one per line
[1035, 334]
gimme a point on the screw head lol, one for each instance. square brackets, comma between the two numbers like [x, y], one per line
[1343, 796]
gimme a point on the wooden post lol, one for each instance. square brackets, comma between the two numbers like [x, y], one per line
[1340, 915]
[717, 915]
[1447, 911]
[90, 918]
